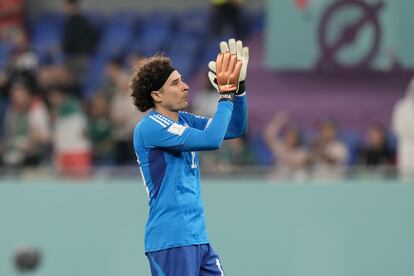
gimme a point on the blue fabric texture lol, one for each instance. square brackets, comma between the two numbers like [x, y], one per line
[193, 260]
[167, 154]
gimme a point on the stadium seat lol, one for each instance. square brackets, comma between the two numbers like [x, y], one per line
[152, 41]
[199, 26]
[46, 34]
[97, 19]
[211, 49]
[157, 29]
[353, 141]
[95, 76]
[118, 34]
[254, 22]
[263, 155]
[392, 141]
[184, 64]
[5, 51]
[183, 52]
[161, 18]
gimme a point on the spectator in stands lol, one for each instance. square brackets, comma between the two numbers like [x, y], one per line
[114, 73]
[226, 18]
[291, 156]
[375, 151]
[124, 116]
[26, 128]
[45, 78]
[56, 75]
[11, 17]
[233, 156]
[79, 40]
[22, 57]
[329, 155]
[22, 64]
[100, 130]
[403, 126]
[72, 148]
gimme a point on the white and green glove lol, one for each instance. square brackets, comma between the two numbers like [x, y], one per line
[242, 54]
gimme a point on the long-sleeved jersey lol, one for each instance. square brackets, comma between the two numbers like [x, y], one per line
[167, 156]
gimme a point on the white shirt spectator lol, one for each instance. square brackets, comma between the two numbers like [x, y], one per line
[403, 126]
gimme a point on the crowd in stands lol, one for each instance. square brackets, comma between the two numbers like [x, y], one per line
[64, 99]
[323, 155]
[323, 152]
[64, 79]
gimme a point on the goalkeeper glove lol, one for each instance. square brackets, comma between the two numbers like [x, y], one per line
[228, 69]
[242, 54]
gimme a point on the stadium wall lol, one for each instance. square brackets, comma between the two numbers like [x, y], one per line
[83, 229]
[36, 6]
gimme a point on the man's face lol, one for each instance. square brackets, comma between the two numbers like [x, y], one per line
[20, 96]
[68, 8]
[376, 137]
[328, 132]
[173, 95]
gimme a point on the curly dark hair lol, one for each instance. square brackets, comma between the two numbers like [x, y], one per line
[143, 77]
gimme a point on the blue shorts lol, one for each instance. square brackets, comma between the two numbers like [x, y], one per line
[192, 260]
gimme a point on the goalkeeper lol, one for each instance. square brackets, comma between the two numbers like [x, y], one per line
[166, 143]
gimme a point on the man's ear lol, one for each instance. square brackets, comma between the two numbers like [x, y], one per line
[156, 96]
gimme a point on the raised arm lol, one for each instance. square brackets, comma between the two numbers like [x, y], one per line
[163, 132]
[238, 122]
[174, 136]
[272, 132]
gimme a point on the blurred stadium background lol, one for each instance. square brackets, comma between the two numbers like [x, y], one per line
[320, 185]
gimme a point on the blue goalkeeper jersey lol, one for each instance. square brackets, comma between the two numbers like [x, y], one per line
[167, 156]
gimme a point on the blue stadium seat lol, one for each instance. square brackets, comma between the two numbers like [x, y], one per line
[184, 64]
[152, 41]
[157, 29]
[47, 28]
[255, 22]
[392, 141]
[46, 34]
[5, 51]
[160, 19]
[211, 49]
[95, 76]
[353, 141]
[118, 34]
[263, 155]
[184, 50]
[54, 18]
[194, 22]
[184, 44]
[97, 19]
[124, 18]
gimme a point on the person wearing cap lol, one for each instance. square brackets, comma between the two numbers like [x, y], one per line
[166, 142]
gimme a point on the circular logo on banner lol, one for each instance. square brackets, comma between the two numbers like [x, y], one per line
[349, 35]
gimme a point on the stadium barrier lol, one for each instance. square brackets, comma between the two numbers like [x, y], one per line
[321, 229]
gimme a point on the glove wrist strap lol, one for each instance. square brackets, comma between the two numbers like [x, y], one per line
[226, 97]
[242, 88]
